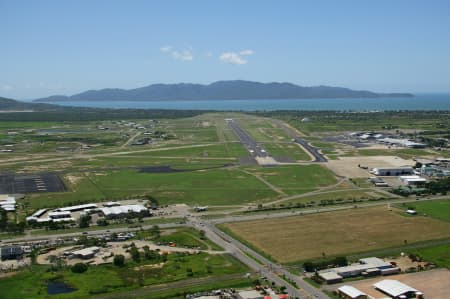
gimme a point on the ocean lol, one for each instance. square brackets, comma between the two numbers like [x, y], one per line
[418, 102]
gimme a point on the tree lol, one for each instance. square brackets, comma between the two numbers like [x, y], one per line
[79, 268]
[84, 221]
[135, 254]
[102, 222]
[119, 260]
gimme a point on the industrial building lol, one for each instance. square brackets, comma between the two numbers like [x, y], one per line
[11, 253]
[393, 171]
[378, 182]
[123, 210]
[370, 266]
[331, 277]
[36, 215]
[397, 290]
[402, 142]
[86, 253]
[349, 292]
[412, 180]
[77, 208]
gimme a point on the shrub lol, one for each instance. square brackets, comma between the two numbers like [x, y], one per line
[79, 268]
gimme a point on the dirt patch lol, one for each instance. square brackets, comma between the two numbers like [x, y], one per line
[348, 166]
[152, 266]
[434, 283]
[73, 179]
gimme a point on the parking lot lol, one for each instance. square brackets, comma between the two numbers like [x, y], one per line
[32, 183]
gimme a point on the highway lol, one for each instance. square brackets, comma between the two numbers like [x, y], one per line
[254, 149]
[271, 271]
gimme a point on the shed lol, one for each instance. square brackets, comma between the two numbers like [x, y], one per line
[395, 288]
[349, 292]
[330, 277]
[86, 253]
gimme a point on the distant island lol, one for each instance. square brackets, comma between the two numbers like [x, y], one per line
[221, 90]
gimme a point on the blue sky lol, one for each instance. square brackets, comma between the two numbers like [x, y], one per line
[65, 47]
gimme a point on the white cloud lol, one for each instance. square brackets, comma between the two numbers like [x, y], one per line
[209, 54]
[183, 55]
[236, 58]
[247, 52]
[165, 49]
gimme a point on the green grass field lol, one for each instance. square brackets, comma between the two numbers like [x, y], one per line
[31, 283]
[183, 237]
[290, 150]
[297, 179]
[439, 209]
[440, 255]
[212, 187]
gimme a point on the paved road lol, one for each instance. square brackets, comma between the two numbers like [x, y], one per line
[318, 157]
[269, 270]
[254, 149]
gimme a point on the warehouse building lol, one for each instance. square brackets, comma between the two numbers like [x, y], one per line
[349, 292]
[77, 208]
[330, 277]
[402, 142]
[86, 253]
[123, 210]
[412, 180]
[397, 290]
[35, 216]
[370, 266]
[393, 171]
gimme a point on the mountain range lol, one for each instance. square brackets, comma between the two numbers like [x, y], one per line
[220, 90]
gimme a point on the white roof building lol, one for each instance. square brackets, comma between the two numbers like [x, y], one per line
[57, 214]
[394, 288]
[352, 292]
[79, 207]
[125, 209]
[7, 203]
[86, 252]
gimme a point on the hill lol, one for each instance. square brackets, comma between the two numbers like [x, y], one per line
[221, 90]
[13, 105]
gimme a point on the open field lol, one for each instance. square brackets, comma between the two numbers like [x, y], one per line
[336, 233]
[348, 166]
[296, 179]
[291, 150]
[439, 209]
[321, 121]
[434, 283]
[213, 187]
[440, 255]
[31, 283]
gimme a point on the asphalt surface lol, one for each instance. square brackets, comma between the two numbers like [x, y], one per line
[318, 157]
[254, 149]
[32, 183]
